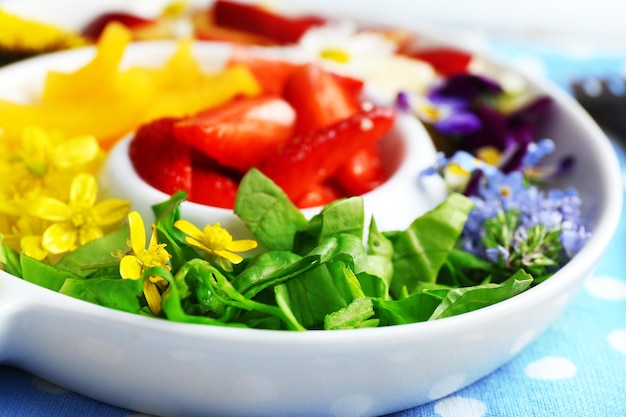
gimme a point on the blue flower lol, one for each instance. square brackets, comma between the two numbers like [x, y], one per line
[515, 224]
[520, 226]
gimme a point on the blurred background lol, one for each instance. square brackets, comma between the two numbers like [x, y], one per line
[575, 30]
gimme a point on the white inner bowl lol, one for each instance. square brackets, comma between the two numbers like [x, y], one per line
[406, 151]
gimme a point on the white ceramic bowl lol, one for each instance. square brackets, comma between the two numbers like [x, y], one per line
[158, 367]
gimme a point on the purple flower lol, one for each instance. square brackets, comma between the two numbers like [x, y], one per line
[462, 90]
[459, 122]
[465, 110]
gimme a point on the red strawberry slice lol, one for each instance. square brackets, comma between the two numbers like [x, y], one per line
[271, 73]
[159, 158]
[319, 98]
[313, 158]
[213, 188]
[204, 28]
[319, 195]
[353, 86]
[363, 172]
[446, 61]
[95, 27]
[240, 133]
[254, 19]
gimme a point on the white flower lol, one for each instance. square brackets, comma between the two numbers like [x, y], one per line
[367, 55]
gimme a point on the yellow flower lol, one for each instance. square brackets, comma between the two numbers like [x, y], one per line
[30, 229]
[140, 258]
[46, 162]
[215, 241]
[79, 221]
[25, 236]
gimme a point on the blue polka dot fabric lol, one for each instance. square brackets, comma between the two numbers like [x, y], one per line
[576, 368]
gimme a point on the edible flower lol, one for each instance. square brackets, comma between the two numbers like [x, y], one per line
[518, 226]
[216, 242]
[369, 55]
[471, 112]
[45, 161]
[514, 224]
[26, 236]
[80, 220]
[134, 263]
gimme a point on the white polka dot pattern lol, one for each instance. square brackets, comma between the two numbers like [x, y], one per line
[551, 368]
[617, 340]
[460, 407]
[607, 288]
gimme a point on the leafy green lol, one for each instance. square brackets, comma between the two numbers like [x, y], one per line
[10, 260]
[343, 216]
[320, 291]
[421, 250]
[463, 300]
[95, 255]
[358, 314]
[120, 294]
[267, 211]
[45, 275]
[321, 273]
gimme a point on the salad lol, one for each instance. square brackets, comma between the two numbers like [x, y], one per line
[283, 124]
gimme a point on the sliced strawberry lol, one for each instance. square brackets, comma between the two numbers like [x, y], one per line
[318, 98]
[363, 172]
[319, 195]
[254, 19]
[313, 158]
[159, 158]
[271, 73]
[351, 85]
[204, 28]
[95, 27]
[446, 61]
[213, 188]
[241, 132]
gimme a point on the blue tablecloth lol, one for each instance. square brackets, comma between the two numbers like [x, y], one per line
[576, 368]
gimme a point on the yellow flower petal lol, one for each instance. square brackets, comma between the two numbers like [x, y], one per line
[35, 140]
[189, 229]
[12, 207]
[87, 234]
[112, 211]
[137, 233]
[197, 244]
[233, 257]
[60, 238]
[241, 245]
[75, 152]
[154, 242]
[84, 189]
[31, 245]
[159, 281]
[130, 268]
[49, 209]
[153, 296]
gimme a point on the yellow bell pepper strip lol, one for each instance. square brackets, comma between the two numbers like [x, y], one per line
[108, 102]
